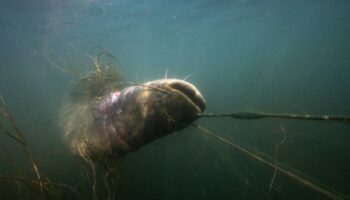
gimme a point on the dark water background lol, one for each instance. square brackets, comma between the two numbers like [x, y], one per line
[247, 55]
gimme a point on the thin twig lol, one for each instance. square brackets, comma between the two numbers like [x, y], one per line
[30, 182]
[19, 137]
[286, 172]
[93, 171]
[276, 157]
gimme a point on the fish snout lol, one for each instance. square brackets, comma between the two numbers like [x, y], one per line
[189, 91]
[186, 90]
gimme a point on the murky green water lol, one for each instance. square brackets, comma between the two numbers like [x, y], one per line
[273, 56]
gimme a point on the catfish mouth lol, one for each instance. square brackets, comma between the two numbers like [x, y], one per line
[189, 91]
[183, 88]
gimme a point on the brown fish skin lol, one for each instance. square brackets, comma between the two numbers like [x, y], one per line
[127, 120]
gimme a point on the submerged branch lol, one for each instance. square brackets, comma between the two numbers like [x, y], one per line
[19, 137]
[261, 115]
[30, 184]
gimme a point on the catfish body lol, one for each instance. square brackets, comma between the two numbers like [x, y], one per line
[122, 121]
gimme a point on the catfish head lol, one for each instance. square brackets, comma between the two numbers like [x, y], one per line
[124, 121]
